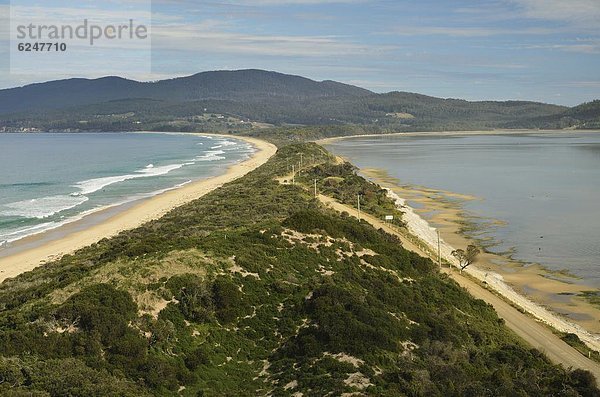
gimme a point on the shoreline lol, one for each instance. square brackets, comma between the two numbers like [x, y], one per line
[40, 234]
[326, 141]
[491, 269]
[35, 250]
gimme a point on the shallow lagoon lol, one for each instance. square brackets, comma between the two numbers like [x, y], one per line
[544, 187]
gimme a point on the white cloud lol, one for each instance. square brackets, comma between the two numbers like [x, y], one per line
[566, 15]
[4, 20]
[273, 2]
[468, 31]
[578, 13]
[583, 84]
[579, 46]
[106, 56]
[52, 14]
[199, 38]
[75, 17]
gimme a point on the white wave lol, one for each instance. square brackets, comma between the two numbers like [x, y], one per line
[19, 234]
[217, 147]
[93, 185]
[156, 192]
[247, 148]
[210, 158]
[43, 207]
[211, 155]
[28, 231]
[228, 143]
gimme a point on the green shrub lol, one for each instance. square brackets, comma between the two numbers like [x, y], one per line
[227, 298]
[101, 309]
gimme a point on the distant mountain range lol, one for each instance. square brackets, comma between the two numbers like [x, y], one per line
[238, 100]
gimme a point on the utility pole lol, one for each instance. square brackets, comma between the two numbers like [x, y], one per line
[315, 188]
[293, 174]
[358, 201]
[301, 156]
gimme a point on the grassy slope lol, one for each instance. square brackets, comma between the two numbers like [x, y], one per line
[254, 290]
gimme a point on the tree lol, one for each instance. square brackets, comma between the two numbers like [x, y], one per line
[466, 257]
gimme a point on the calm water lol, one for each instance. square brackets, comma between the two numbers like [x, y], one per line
[546, 187]
[49, 179]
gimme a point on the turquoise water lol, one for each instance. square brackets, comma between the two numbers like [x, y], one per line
[47, 180]
[546, 187]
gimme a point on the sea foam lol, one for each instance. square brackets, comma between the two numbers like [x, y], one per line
[228, 143]
[14, 235]
[93, 185]
[43, 207]
[211, 155]
[46, 207]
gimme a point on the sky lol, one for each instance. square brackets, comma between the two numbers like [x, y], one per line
[540, 50]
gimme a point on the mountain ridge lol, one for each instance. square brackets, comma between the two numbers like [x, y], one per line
[222, 85]
[234, 101]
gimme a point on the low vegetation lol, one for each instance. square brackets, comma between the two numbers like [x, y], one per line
[338, 179]
[256, 289]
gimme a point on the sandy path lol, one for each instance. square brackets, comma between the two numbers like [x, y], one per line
[147, 210]
[556, 292]
[420, 228]
[534, 333]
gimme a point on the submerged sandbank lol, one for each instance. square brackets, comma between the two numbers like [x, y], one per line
[530, 287]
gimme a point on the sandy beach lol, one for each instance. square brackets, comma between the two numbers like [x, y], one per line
[80, 234]
[549, 297]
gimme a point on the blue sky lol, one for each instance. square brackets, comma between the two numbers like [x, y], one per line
[543, 50]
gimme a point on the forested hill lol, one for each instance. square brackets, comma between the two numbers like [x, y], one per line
[584, 116]
[249, 99]
[258, 290]
[242, 85]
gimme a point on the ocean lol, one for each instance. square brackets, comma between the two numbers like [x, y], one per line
[50, 179]
[543, 187]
